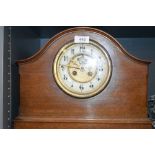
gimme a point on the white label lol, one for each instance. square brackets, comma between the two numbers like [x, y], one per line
[81, 39]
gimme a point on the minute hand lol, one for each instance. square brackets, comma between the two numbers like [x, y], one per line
[71, 66]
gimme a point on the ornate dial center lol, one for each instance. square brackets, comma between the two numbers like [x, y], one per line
[82, 70]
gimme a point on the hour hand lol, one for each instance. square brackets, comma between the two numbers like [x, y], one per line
[74, 63]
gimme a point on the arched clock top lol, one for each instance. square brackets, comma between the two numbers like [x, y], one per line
[76, 30]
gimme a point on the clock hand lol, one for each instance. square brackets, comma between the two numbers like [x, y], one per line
[74, 63]
[71, 66]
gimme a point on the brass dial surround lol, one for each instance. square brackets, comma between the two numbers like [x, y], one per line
[74, 68]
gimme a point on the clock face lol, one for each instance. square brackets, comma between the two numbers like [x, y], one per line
[82, 69]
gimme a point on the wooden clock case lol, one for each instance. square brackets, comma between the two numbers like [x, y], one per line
[122, 104]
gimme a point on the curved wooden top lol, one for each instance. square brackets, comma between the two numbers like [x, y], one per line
[94, 30]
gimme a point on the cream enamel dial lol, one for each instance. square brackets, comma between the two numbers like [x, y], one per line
[82, 69]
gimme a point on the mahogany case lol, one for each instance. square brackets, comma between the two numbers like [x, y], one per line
[122, 104]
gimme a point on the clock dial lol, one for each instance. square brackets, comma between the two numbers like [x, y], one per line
[82, 69]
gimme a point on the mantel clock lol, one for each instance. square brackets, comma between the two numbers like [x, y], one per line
[83, 78]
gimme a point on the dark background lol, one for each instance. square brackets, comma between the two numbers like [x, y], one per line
[25, 41]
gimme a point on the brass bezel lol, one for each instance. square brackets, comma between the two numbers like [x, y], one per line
[77, 95]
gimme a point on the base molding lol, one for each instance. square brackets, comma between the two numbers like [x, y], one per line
[76, 123]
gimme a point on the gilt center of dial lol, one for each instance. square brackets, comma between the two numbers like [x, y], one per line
[82, 68]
